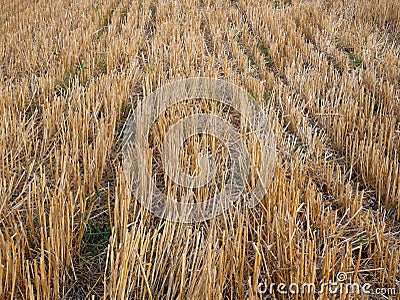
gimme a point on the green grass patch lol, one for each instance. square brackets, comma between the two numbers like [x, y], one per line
[267, 58]
[355, 61]
[96, 237]
[75, 76]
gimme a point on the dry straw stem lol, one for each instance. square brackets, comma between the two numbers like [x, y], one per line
[326, 74]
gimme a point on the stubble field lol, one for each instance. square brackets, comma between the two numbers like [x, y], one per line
[325, 72]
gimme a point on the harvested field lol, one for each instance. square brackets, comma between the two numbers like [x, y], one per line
[326, 73]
